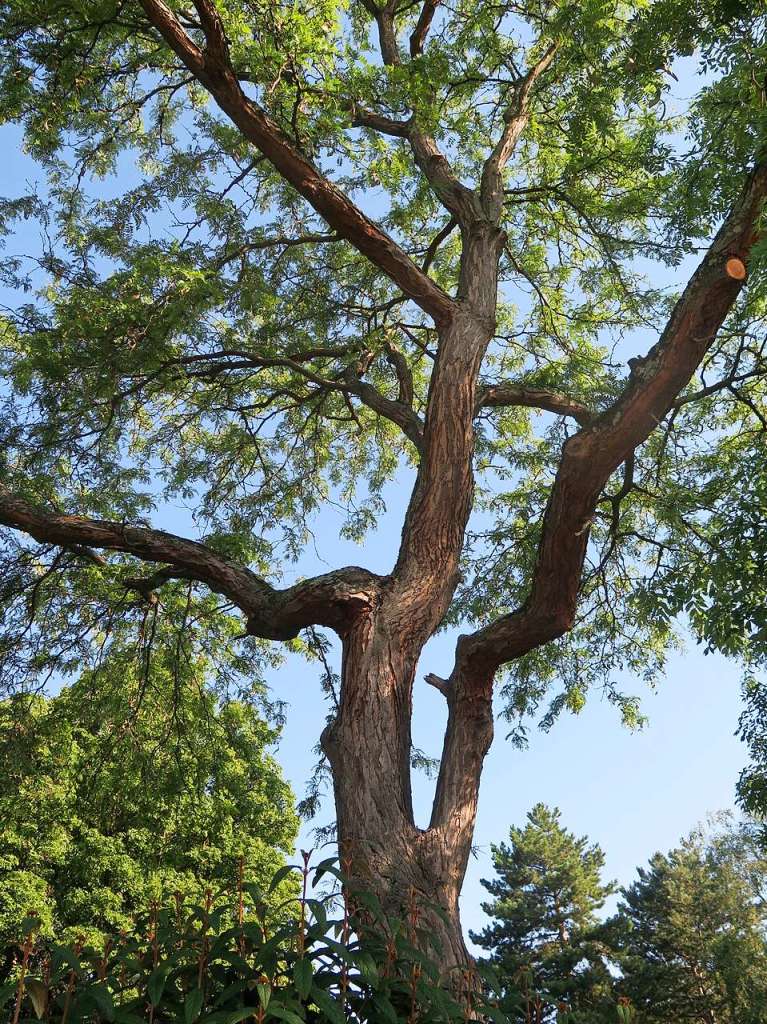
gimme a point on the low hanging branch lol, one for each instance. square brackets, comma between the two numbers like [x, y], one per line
[333, 599]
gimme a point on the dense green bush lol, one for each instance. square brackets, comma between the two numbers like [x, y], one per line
[333, 958]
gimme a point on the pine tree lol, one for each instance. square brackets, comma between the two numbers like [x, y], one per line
[691, 933]
[543, 942]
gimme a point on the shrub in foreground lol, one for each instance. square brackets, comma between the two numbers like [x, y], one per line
[327, 956]
[333, 958]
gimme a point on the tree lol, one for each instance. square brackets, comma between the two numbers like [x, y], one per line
[126, 790]
[291, 250]
[691, 933]
[546, 897]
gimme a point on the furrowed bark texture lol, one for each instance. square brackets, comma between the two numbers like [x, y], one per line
[384, 622]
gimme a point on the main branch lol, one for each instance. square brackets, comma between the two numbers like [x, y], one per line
[588, 460]
[212, 68]
[335, 599]
[591, 456]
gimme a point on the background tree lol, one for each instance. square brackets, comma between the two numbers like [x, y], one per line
[291, 250]
[692, 932]
[128, 789]
[546, 899]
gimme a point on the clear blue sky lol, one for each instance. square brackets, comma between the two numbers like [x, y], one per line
[632, 793]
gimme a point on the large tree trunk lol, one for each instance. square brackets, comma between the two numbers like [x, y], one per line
[369, 746]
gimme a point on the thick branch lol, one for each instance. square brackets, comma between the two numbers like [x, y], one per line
[213, 69]
[462, 202]
[515, 119]
[495, 395]
[590, 457]
[335, 599]
[421, 30]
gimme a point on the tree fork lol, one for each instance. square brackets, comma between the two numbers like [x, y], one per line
[368, 746]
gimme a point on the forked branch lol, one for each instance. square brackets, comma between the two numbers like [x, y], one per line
[460, 200]
[591, 456]
[515, 118]
[588, 460]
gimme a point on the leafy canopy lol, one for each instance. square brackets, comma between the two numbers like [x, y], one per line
[189, 332]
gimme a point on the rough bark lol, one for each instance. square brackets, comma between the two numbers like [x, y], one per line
[368, 747]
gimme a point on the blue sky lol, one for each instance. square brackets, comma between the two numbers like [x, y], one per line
[634, 793]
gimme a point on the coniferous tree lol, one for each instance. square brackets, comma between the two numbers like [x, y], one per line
[690, 933]
[546, 895]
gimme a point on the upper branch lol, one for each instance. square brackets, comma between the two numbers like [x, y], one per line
[212, 67]
[421, 30]
[515, 119]
[333, 599]
[591, 456]
[534, 398]
[364, 118]
[210, 365]
[460, 200]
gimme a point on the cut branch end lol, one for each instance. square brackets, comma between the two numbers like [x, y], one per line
[736, 268]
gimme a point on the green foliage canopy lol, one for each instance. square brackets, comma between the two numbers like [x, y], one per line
[192, 331]
[127, 790]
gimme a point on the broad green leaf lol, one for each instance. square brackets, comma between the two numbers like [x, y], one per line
[192, 1005]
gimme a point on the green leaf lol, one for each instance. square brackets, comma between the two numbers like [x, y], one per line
[237, 1015]
[156, 983]
[102, 997]
[264, 994]
[7, 992]
[192, 1005]
[38, 995]
[303, 972]
[282, 1013]
[30, 925]
[327, 867]
[367, 966]
[281, 874]
[331, 1007]
[128, 1017]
